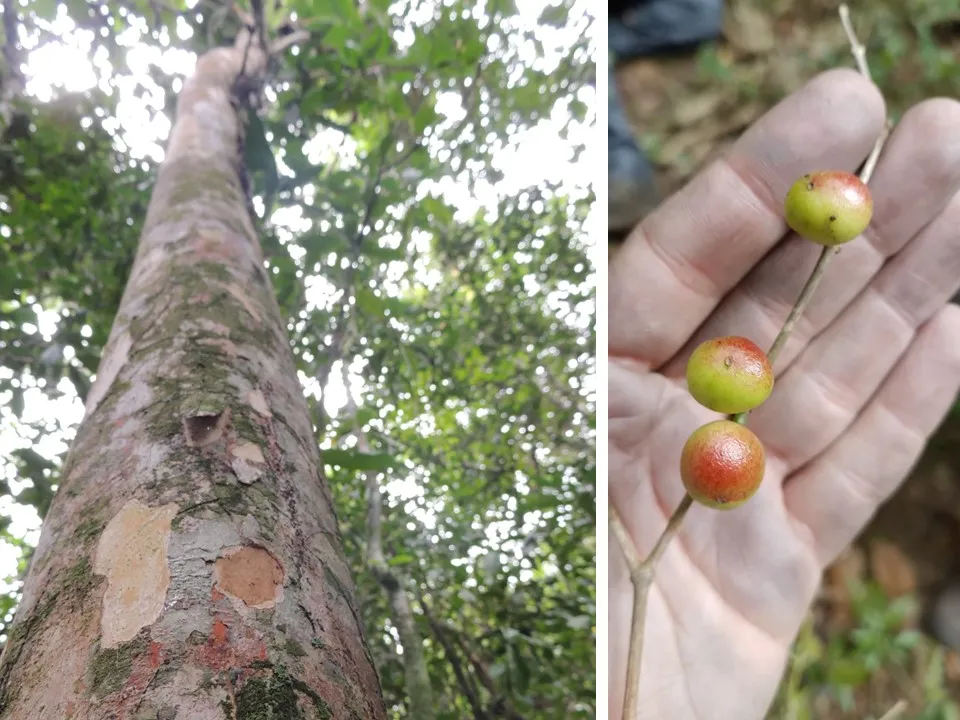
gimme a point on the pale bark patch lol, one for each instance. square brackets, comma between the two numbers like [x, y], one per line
[212, 325]
[251, 575]
[205, 428]
[247, 461]
[132, 554]
[114, 358]
[227, 346]
[259, 403]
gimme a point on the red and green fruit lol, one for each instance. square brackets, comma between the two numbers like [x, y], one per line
[729, 375]
[722, 464]
[829, 207]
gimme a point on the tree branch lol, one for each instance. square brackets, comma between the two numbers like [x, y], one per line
[419, 689]
[642, 570]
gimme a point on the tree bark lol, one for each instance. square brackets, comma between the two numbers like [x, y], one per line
[190, 566]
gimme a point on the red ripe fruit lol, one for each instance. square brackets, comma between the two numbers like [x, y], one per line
[722, 464]
[829, 208]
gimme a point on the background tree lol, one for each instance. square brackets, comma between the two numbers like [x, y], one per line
[436, 282]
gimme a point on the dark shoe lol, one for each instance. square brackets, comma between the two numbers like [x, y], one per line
[639, 29]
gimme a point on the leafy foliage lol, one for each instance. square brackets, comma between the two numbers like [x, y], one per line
[401, 246]
[848, 675]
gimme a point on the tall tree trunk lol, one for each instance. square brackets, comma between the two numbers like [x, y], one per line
[416, 676]
[190, 566]
[11, 78]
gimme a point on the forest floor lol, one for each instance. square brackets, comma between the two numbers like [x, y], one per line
[859, 654]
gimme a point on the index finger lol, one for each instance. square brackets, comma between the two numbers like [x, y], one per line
[684, 257]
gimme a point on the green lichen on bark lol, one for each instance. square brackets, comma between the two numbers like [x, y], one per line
[92, 525]
[294, 649]
[197, 185]
[78, 580]
[111, 667]
[275, 696]
[272, 697]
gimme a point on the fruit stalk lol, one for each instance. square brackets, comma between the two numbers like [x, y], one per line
[642, 569]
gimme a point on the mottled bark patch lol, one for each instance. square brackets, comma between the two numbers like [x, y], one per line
[132, 554]
[231, 645]
[259, 403]
[245, 301]
[227, 346]
[251, 575]
[111, 667]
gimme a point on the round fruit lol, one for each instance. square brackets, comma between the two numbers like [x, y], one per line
[722, 464]
[729, 375]
[829, 208]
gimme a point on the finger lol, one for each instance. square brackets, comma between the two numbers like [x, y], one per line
[685, 256]
[916, 177]
[832, 498]
[836, 375]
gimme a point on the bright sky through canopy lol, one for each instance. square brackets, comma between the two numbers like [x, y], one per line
[534, 156]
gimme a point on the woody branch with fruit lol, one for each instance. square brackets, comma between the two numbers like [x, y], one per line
[725, 528]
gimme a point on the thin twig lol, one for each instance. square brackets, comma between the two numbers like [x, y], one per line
[896, 711]
[856, 47]
[865, 174]
[642, 571]
[641, 575]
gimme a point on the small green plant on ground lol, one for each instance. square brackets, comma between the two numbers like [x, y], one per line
[853, 674]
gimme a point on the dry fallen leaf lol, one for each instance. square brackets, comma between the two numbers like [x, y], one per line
[749, 28]
[892, 569]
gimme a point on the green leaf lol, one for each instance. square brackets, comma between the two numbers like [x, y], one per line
[16, 402]
[847, 672]
[384, 254]
[369, 303]
[354, 460]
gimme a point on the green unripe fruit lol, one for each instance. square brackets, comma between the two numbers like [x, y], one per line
[729, 375]
[829, 208]
[722, 464]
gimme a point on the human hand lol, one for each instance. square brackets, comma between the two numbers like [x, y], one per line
[870, 370]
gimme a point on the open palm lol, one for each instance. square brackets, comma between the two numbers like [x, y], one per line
[870, 370]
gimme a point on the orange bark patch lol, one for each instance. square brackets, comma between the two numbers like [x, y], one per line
[132, 554]
[218, 635]
[229, 648]
[251, 575]
[155, 654]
